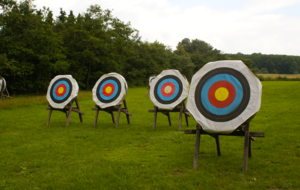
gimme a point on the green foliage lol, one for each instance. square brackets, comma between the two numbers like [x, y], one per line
[283, 64]
[199, 52]
[35, 48]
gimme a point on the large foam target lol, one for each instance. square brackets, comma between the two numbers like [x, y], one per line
[223, 95]
[110, 90]
[2, 84]
[168, 89]
[62, 89]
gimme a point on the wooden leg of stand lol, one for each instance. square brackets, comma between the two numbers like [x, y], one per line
[250, 152]
[169, 118]
[49, 117]
[154, 121]
[127, 116]
[218, 145]
[69, 115]
[197, 147]
[80, 116]
[246, 147]
[118, 117]
[113, 116]
[180, 118]
[96, 117]
[187, 119]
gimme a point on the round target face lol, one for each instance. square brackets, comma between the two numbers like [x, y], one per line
[224, 94]
[108, 89]
[168, 89]
[61, 90]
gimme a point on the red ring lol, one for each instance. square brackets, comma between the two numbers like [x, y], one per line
[60, 94]
[112, 89]
[214, 87]
[162, 90]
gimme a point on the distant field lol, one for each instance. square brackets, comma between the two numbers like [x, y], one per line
[281, 75]
[81, 156]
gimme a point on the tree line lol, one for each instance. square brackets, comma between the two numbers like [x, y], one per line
[35, 47]
[262, 63]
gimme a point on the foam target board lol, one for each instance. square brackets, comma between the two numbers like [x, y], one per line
[168, 89]
[223, 95]
[110, 90]
[62, 90]
[2, 84]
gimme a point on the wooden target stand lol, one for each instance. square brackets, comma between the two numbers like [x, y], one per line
[242, 131]
[67, 110]
[2, 95]
[111, 110]
[179, 108]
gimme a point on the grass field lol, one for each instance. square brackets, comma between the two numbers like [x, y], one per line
[289, 76]
[80, 156]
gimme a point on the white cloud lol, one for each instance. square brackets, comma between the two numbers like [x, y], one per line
[252, 28]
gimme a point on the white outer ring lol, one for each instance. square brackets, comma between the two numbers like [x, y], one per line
[122, 95]
[74, 93]
[184, 94]
[252, 107]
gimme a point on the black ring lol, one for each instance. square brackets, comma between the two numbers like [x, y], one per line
[245, 100]
[70, 91]
[116, 96]
[179, 92]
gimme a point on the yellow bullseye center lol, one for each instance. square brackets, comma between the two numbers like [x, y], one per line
[61, 90]
[108, 90]
[168, 89]
[221, 94]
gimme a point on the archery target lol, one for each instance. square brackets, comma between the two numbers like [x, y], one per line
[223, 95]
[110, 90]
[62, 89]
[2, 84]
[168, 89]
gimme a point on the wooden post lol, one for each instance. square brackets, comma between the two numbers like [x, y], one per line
[218, 145]
[77, 105]
[50, 112]
[169, 118]
[127, 116]
[197, 147]
[155, 116]
[96, 117]
[118, 117]
[69, 115]
[246, 147]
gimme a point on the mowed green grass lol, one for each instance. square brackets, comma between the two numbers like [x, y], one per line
[289, 76]
[80, 156]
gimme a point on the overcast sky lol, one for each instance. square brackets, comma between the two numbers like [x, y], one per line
[246, 26]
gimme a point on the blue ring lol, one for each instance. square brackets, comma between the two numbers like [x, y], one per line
[114, 93]
[164, 98]
[67, 92]
[236, 102]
